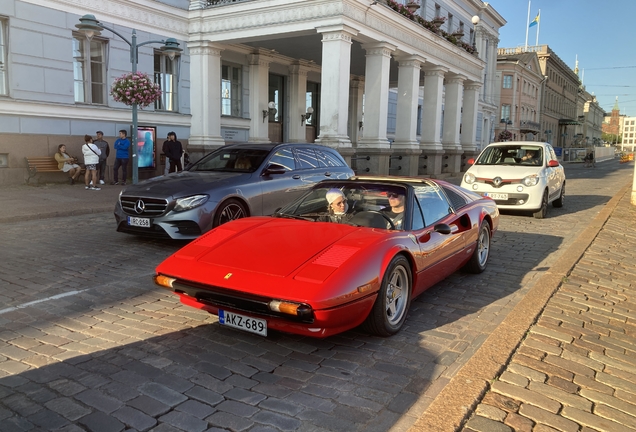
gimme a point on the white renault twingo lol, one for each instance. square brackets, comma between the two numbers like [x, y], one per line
[518, 175]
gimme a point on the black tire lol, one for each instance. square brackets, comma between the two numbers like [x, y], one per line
[543, 210]
[558, 203]
[230, 210]
[479, 260]
[394, 298]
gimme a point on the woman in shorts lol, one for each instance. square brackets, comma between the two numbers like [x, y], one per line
[91, 159]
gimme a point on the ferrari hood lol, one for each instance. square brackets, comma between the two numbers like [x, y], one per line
[274, 247]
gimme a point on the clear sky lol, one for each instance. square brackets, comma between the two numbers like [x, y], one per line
[601, 32]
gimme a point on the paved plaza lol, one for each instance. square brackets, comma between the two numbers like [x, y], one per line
[87, 342]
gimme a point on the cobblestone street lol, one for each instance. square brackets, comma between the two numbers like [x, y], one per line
[88, 342]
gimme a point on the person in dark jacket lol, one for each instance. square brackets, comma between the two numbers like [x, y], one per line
[173, 150]
[338, 207]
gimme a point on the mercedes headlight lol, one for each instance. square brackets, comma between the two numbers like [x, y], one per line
[469, 178]
[190, 202]
[530, 180]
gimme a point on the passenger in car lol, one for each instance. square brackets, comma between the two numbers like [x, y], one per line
[338, 207]
[242, 163]
[395, 211]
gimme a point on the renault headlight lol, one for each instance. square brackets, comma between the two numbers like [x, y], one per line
[469, 178]
[530, 180]
[190, 202]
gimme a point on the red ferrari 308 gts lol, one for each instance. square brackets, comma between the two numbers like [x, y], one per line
[348, 252]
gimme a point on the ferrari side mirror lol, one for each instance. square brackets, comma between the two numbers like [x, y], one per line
[442, 228]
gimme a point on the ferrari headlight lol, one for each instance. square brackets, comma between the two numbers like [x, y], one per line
[469, 178]
[164, 281]
[190, 202]
[289, 308]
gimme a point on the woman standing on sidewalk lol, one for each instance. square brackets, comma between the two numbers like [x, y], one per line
[67, 163]
[91, 159]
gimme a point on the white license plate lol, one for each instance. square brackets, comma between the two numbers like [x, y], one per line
[139, 222]
[497, 196]
[249, 324]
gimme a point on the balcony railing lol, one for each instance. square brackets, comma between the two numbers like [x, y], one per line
[529, 125]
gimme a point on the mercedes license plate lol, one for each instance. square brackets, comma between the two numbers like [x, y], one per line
[139, 222]
[249, 324]
[497, 196]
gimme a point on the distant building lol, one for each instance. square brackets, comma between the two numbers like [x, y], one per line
[613, 124]
[520, 82]
[628, 133]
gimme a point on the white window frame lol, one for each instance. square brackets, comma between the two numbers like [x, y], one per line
[169, 82]
[507, 82]
[231, 90]
[87, 78]
[4, 52]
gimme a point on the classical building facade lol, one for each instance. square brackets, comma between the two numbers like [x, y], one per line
[519, 81]
[258, 71]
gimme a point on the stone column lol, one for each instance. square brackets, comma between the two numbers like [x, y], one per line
[430, 143]
[452, 121]
[259, 82]
[335, 77]
[374, 142]
[297, 102]
[205, 99]
[405, 143]
[469, 122]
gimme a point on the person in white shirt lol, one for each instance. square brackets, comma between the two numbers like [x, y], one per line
[91, 160]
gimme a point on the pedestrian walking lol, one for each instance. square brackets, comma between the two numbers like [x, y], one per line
[174, 151]
[121, 145]
[164, 150]
[91, 159]
[103, 146]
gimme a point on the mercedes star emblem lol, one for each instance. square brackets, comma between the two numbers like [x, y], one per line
[140, 206]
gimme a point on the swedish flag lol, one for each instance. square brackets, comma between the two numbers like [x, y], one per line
[535, 21]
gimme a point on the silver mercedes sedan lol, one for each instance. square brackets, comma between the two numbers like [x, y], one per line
[235, 181]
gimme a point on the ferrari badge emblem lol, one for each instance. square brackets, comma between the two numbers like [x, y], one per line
[227, 276]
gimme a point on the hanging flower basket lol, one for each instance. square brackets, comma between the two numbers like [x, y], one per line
[135, 88]
[505, 135]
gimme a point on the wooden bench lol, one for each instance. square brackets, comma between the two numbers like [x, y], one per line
[46, 164]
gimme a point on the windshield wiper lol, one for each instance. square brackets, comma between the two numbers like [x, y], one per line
[291, 216]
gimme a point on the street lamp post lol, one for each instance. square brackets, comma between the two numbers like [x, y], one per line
[90, 26]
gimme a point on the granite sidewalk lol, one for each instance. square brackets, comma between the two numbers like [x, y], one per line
[565, 358]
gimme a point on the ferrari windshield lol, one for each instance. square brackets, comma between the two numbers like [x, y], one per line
[358, 204]
[514, 154]
[235, 159]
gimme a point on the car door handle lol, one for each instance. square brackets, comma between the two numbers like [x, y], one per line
[327, 174]
[296, 177]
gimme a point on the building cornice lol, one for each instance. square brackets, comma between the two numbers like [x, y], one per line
[143, 15]
[12, 107]
[374, 23]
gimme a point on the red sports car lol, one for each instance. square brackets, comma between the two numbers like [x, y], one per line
[348, 252]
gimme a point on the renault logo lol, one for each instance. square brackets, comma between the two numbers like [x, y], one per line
[140, 206]
[497, 181]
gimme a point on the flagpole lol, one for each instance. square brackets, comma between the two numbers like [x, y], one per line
[527, 27]
[538, 27]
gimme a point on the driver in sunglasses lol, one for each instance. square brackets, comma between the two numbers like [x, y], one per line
[395, 210]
